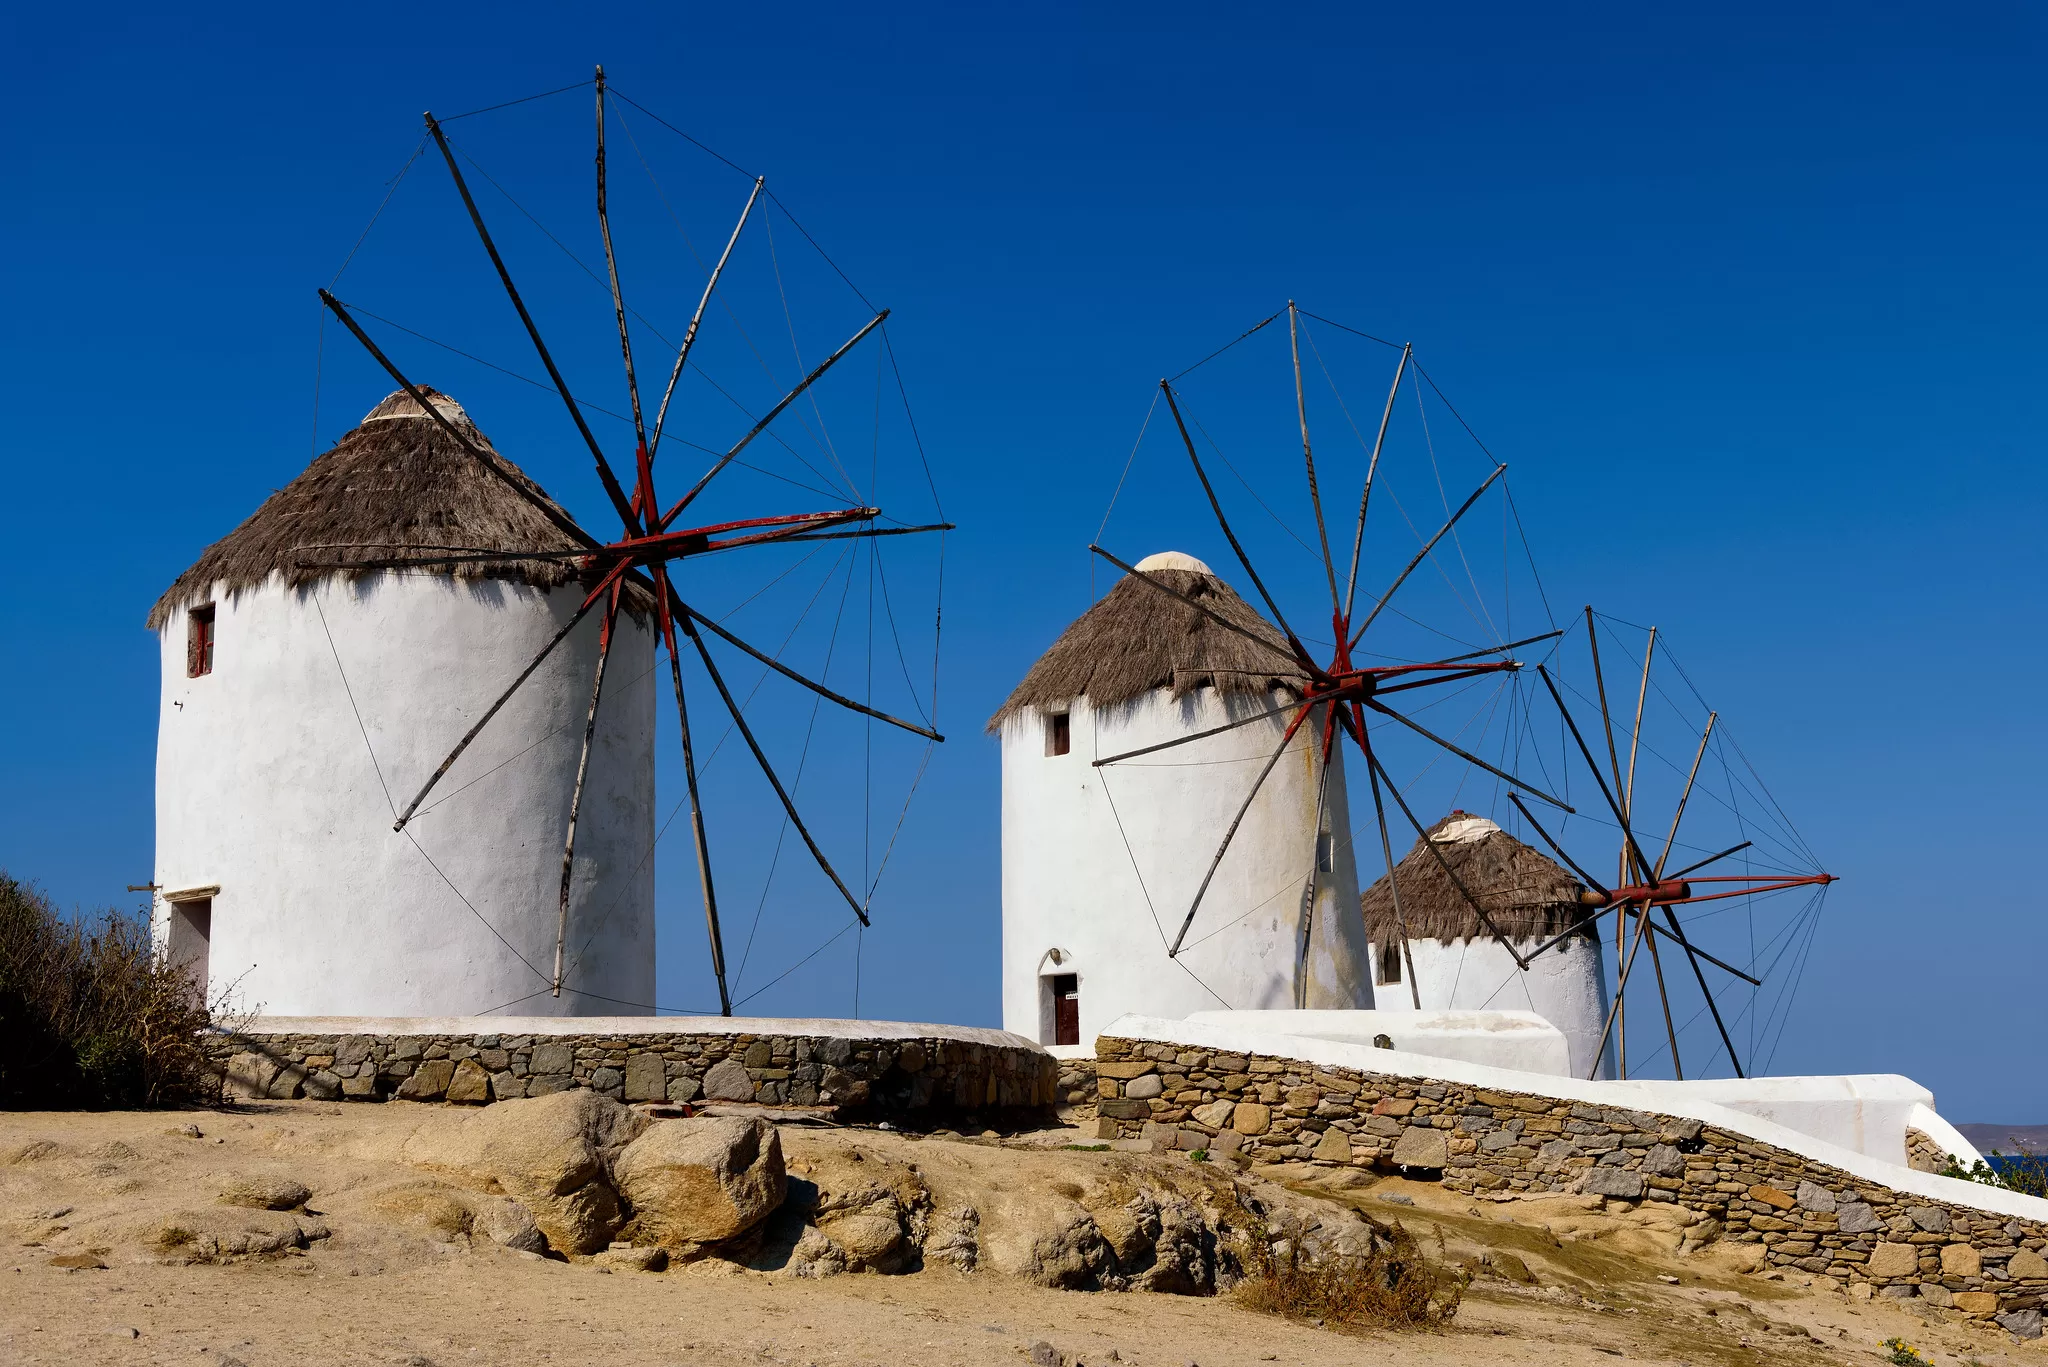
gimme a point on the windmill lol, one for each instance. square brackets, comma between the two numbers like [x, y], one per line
[654, 542]
[1339, 696]
[1342, 697]
[1646, 892]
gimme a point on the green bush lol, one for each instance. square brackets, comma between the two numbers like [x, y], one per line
[90, 1015]
[2026, 1173]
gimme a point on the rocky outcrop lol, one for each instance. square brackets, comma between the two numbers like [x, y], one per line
[230, 1235]
[854, 1210]
[572, 1171]
[552, 1154]
[692, 1184]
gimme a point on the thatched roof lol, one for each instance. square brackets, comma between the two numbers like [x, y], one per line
[1137, 639]
[1527, 895]
[395, 483]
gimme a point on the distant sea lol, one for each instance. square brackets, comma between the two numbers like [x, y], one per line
[2007, 1138]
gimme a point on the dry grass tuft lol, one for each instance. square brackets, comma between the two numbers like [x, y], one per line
[91, 1016]
[1391, 1286]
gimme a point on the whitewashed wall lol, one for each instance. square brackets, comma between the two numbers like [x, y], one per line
[1566, 985]
[1521, 1040]
[1867, 1112]
[265, 786]
[1101, 865]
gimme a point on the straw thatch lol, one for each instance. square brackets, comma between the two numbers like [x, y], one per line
[1138, 639]
[396, 483]
[1528, 896]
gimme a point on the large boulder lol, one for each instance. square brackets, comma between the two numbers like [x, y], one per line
[872, 1208]
[505, 1221]
[694, 1183]
[451, 1214]
[1052, 1241]
[552, 1154]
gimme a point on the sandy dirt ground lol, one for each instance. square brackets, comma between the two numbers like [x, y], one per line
[84, 1190]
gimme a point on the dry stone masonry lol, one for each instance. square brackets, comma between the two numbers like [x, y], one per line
[879, 1077]
[1800, 1213]
[1077, 1089]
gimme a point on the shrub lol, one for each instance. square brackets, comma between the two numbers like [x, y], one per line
[2025, 1172]
[92, 1016]
[1393, 1285]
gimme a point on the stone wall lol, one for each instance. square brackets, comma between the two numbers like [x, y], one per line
[1922, 1153]
[1803, 1214]
[883, 1077]
[1077, 1090]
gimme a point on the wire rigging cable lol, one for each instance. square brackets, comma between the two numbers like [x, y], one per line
[378, 769]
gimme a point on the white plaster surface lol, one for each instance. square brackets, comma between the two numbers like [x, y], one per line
[1565, 985]
[1102, 865]
[1924, 1118]
[627, 1026]
[266, 786]
[1520, 1040]
[1867, 1112]
[1675, 1102]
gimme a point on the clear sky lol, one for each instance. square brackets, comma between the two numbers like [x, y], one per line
[1750, 299]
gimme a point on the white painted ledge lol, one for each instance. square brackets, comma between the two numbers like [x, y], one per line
[623, 1026]
[1668, 1099]
[1521, 1040]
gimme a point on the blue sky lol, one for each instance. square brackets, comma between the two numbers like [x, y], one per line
[1749, 299]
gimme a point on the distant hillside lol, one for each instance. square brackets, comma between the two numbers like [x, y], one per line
[2007, 1138]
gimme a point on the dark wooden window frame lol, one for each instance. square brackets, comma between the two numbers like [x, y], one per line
[199, 640]
[1059, 733]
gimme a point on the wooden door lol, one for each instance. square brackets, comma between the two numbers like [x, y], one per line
[1066, 1009]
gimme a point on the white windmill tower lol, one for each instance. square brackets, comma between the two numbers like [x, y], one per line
[1099, 863]
[1431, 951]
[299, 702]
[399, 772]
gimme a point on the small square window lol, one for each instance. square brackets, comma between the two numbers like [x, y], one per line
[1390, 963]
[199, 641]
[1059, 734]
